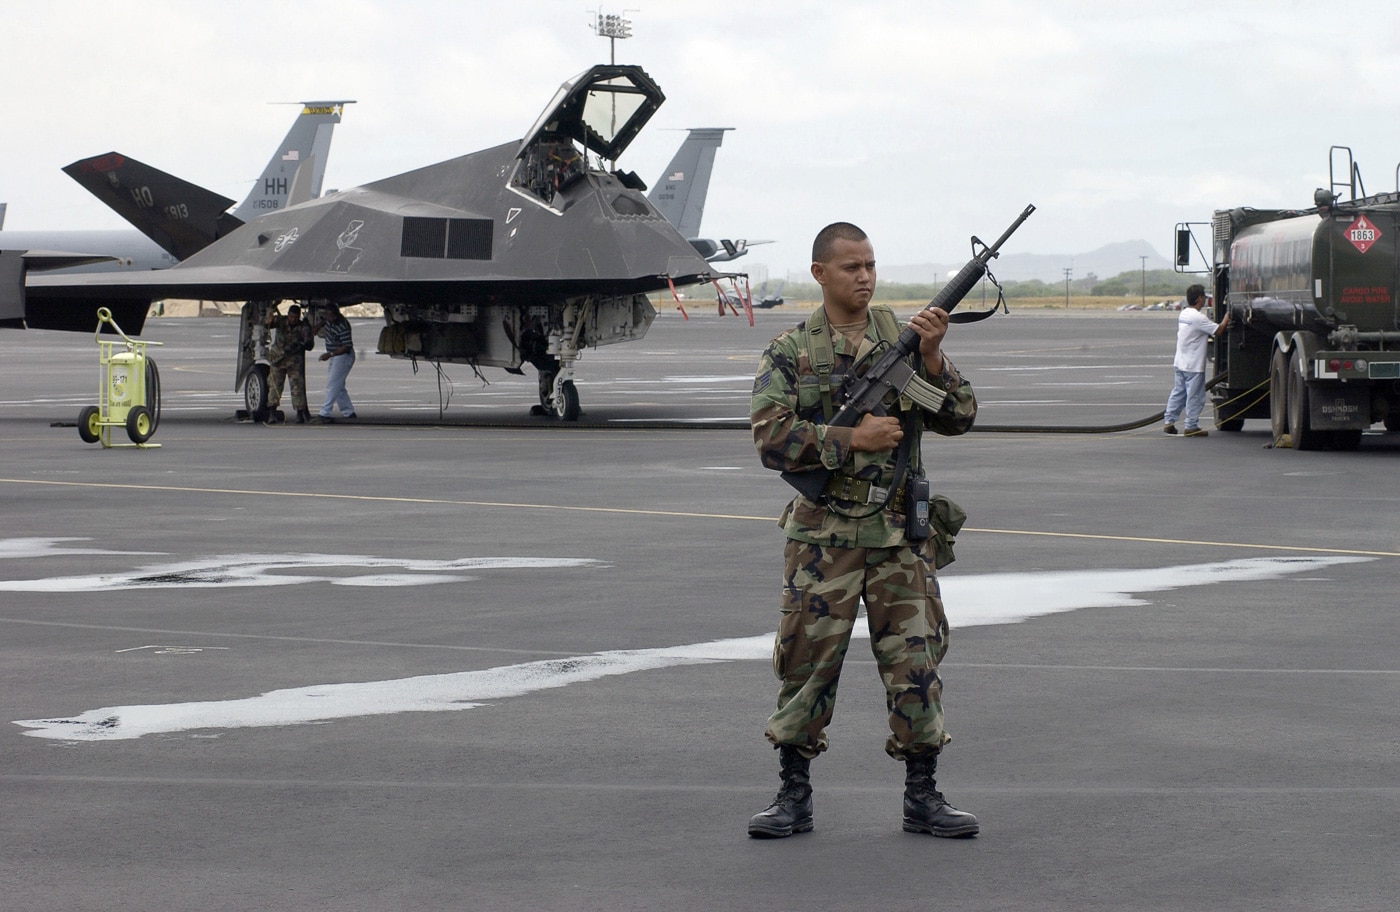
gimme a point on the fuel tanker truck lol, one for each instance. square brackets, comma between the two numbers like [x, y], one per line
[1313, 343]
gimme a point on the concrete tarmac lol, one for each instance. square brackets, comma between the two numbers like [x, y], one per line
[410, 663]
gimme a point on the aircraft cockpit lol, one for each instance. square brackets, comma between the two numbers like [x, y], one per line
[599, 111]
[549, 166]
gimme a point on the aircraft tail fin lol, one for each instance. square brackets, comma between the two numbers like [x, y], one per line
[302, 180]
[179, 216]
[680, 193]
[308, 142]
[2, 214]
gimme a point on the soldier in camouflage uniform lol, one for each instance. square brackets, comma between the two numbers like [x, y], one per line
[852, 544]
[287, 360]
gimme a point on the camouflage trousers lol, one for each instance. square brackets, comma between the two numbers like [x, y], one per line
[295, 376]
[822, 591]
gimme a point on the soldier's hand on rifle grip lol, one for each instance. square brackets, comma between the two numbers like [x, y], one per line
[932, 325]
[875, 433]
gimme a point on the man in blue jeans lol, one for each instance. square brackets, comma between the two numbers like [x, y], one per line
[340, 353]
[1193, 330]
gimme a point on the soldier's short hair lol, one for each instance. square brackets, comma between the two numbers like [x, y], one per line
[828, 236]
[294, 309]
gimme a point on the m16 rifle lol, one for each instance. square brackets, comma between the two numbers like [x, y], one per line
[893, 372]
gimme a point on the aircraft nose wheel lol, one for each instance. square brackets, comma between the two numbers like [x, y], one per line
[566, 407]
[557, 399]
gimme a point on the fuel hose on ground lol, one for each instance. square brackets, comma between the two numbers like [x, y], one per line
[1098, 428]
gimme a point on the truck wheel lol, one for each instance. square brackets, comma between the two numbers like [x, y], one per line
[1299, 426]
[1278, 393]
[139, 424]
[1392, 422]
[88, 428]
[1232, 425]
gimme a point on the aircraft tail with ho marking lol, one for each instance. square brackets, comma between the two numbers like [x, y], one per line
[184, 218]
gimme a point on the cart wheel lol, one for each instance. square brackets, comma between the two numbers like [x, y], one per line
[139, 425]
[153, 393]
[88, 428]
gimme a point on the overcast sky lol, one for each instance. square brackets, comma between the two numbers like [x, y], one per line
[923, 121]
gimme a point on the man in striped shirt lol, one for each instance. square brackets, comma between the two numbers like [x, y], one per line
[340, 355]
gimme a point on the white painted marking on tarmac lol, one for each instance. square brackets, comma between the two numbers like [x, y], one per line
[28, 548]
[998, 598]
[173, 650]
[244, 570]
[1007, 598]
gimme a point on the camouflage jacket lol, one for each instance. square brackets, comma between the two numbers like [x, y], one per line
[290, 342]
[790, 433]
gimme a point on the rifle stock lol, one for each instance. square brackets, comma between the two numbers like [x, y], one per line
[866, 393]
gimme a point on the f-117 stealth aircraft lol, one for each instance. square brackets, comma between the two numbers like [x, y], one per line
[529, 251]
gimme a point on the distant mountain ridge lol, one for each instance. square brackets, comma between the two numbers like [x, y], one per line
[1105, 262]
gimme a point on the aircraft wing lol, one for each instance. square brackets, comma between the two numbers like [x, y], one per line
[14, 264]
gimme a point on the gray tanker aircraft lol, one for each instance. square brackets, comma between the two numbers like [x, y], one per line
[529, 251]
[680, 193]
[140, 194]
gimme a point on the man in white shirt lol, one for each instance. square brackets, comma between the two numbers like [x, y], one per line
[1193, 330]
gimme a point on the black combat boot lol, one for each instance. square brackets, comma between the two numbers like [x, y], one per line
[791, 811]
[303, 416]
[925, 808]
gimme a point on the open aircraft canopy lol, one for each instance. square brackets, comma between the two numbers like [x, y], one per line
[603, 109]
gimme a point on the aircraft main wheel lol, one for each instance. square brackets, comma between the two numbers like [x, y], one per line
[547, 387]
[255, 392]
[1278, 394]
[88, 428]
[1299, 424]
[139, 424]
[153, 393]
[566, 407]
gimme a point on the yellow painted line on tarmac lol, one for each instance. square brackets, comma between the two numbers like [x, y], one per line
[369, 498]
[439, 501]
[1306, 549]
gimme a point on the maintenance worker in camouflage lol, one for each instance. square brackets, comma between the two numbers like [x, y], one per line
[286, 356]
[854, 544]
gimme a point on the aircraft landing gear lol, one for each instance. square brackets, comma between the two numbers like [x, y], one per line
[558, 395]
[566, 407]
[255, 392]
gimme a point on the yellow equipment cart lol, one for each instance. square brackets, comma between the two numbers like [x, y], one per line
[129, 391]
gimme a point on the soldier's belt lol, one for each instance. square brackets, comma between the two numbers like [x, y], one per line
[858, 490]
